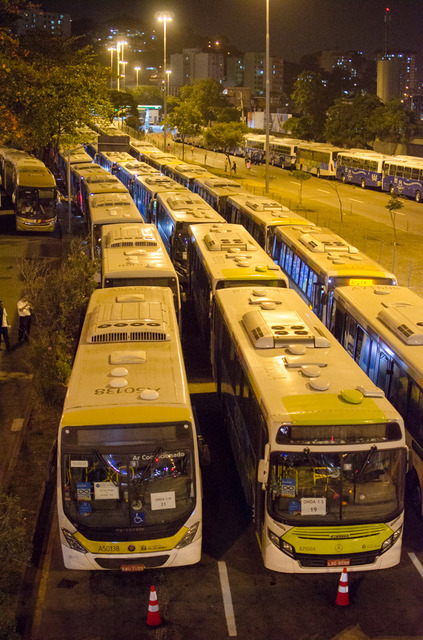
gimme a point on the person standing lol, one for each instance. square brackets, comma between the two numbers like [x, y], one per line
[234, 167]
[4, 327]
[24, 312]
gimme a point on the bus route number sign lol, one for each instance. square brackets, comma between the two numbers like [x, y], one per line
[361, 282]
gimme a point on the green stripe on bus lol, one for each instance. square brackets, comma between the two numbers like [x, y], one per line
[331, 409]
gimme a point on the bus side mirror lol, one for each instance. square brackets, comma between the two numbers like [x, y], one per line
[203, 452]
[263, 472]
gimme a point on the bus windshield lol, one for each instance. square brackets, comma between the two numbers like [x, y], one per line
[144, 488]
[349, 487]
[39, 203]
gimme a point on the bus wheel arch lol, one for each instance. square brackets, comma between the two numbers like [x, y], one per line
[415, 490]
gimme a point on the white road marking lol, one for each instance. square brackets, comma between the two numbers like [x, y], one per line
[416, 563]
[227, 598]
[323, 191]
[352, 200]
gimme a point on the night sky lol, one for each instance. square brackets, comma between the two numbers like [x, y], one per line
[297, 27]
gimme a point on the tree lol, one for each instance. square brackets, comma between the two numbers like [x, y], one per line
[301, 176]
[185, 117]
[312, 100]
[208, 98]
[49, 86]
[226, 136]
[394, 205]
[392, 122]
[347, 121]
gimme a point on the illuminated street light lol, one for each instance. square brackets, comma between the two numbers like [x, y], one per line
[119, 48]
[123, 63]
[111, 49]
[168, 72]
[164, 17]
[267, 116]
[137, 69]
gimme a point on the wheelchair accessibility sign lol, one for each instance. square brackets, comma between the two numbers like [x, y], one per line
[138, 518]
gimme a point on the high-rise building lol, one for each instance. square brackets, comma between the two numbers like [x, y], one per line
[397, 75]
[194, 64]
[55, 23]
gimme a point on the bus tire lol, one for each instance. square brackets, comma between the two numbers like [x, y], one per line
[343, 179]
[391, 189]
[363, 183]
[415, 493]
[318, 173]
[418, 196]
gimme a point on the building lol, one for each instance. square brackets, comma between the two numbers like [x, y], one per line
[194, 64]
[255, 73]
[58, 24]
[397, 76]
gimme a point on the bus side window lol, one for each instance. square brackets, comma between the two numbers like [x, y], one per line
[414, 418]
[384, 372]
[399, 389]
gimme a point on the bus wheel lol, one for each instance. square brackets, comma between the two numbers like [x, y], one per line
[343, 179]
[318, 173]
[363, 184]
[392, 189]
[416, 494]
[418, 196]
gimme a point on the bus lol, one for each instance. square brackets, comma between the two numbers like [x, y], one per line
[317, 261]
[78, 172]
[128, 483]
[381, 328]
[108, 208]
[320, 451]
[185, 174]
[283, 152]
[222, 256]
[63, 158]
[215, 191]
[134, 255]
[317, 158]
[110, 159]
[138, 147]
[33, 190]
[128, 170]
[96, 182]
[174, 214]
[254, 147]
[361, 167]
[158, 159]
[146, 188]
[260, 216]
[404, 176]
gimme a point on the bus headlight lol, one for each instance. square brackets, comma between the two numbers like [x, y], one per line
[391, 540]
[73, 542]
[287, 548]
[188, 537]
[274, 538]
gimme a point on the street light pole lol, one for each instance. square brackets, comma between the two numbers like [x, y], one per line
[164, 17]
[137, 69]
[267, 116]
[111, 49]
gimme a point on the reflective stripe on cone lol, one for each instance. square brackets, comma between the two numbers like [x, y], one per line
[342, 597]
[153, 615]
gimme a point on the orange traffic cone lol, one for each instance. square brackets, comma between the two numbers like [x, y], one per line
[153, 615]
[342, 597]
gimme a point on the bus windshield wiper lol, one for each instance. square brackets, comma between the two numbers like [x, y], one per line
[147, 469]
[368, 459]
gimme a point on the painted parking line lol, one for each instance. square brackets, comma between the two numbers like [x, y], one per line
[227, 598]
[353, 200]
[416, 563]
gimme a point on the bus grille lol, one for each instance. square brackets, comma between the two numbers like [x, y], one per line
[356, 559]
[115, 563]
[130, 336]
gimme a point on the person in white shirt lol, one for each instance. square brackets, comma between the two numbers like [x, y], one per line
[4, 327]
[24, 312]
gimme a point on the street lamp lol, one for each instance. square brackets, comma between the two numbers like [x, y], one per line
[137, 69]
[119, 48]
[111, 49]
[123, 63]
[168, 72]
[267, 97]
[164, 17]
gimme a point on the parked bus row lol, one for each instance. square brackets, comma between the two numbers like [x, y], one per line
[317, 445]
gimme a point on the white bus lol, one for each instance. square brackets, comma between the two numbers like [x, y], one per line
[222, 256]
[145, 190]
[215, 191]
[320, 451]
[138, 147]
[108, 208]
[316, 261]
[110, 159]
[134, 255]
[185, 174]
[260, 216]
[174, 214]
[128, 170]
[317, 158]
[381, 327]
[97, 182]
[128, 482]
[283, 152]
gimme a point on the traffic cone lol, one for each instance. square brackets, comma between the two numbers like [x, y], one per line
[342, 597]
[153, 615]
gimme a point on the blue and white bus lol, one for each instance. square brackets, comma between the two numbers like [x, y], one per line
[358, 166]
[404, 176]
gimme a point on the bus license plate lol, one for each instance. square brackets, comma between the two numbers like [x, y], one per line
[132, 567]
[339, 562]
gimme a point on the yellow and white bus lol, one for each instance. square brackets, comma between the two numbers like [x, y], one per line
[145, 190]
[129, 487]
[316, 261]
[32, 188]
[134, 255]
[320, 451]
[96, 182]
[108, 208]
[381, 327]
[260, 216]
[175, 212]
[222, 256]
[215, 191]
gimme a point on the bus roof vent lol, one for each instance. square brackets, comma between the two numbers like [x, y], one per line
[130, 320]
[273, 329]
[222, 240]
[406, 322]
[130, 236]
[322, 241]
[218, 183]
